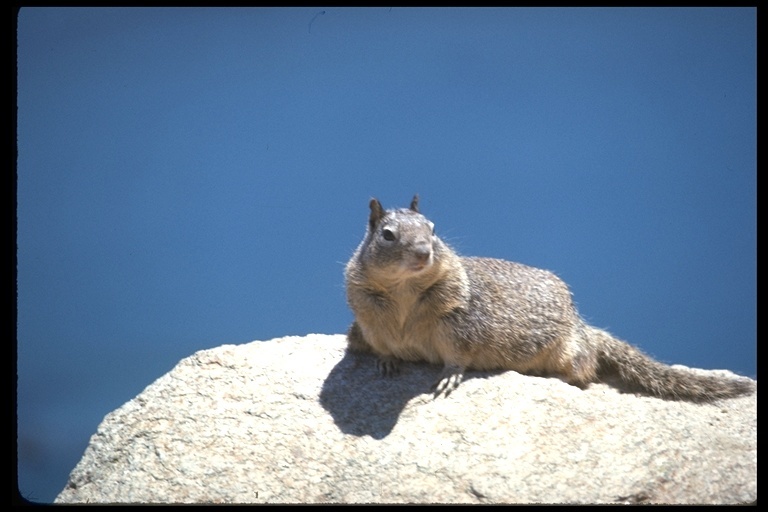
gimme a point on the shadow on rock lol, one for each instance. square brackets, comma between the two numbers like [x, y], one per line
[362, 402]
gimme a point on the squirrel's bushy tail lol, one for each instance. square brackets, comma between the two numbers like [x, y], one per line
[640, 372]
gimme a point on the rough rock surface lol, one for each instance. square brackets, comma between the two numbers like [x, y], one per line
[299, 420]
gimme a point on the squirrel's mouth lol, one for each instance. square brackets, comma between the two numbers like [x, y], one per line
[420, 264]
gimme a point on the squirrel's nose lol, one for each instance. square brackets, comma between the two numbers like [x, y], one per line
[422, 254]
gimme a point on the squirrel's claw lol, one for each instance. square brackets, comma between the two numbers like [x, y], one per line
[449, 379]
[388, 366]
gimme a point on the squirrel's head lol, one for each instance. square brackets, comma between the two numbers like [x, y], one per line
[400, 243]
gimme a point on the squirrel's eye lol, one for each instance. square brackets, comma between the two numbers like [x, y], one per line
[388, 235]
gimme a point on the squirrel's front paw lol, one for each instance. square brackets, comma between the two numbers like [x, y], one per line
[449, 379]
[388, 366]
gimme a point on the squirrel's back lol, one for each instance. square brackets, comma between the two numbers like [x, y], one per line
[415, 299]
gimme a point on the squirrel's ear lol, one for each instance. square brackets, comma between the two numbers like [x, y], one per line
[377, 212]
[415, 203]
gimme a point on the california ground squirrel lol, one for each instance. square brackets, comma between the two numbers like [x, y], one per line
[415, 299]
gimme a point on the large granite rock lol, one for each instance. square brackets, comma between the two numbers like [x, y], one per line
[300, 420]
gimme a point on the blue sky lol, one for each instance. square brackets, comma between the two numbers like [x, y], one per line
[189, 178]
